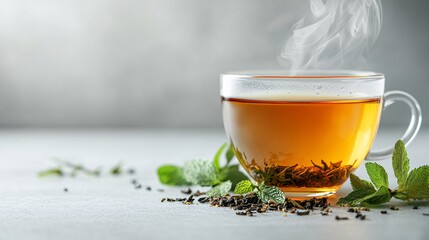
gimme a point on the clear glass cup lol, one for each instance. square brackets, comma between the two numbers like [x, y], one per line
[307, 133]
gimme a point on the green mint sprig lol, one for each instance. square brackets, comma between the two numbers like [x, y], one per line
[205, 173]
[66, 168]
[265, 193]
[412, 185]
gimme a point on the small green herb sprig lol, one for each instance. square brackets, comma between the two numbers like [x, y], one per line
[205, 173]
[265, 193]
[66, 168]
[412, 185]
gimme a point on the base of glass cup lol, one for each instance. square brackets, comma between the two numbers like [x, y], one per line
[308, 192]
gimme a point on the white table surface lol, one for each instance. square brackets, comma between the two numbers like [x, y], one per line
[110, 208]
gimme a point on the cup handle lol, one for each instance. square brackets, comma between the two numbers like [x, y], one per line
[413, 128]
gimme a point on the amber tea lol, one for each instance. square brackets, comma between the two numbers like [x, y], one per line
[301, 145]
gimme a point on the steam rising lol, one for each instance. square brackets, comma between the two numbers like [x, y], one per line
[337, 34]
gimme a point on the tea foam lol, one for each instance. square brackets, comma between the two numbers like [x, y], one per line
[303, 97]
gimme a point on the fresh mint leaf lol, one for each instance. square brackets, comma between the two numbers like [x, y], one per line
[400, 163]
[51, 172]
[200, 172]
[220, 190]
[355, 196]
[243, 187]
[267, 193]
[216, 159]
[171, 175]
[381, 196]
[417, 184]
[358, 183]
[229, 154]
[412, 185]
[233, 174]
[367, 196]
[377, 174]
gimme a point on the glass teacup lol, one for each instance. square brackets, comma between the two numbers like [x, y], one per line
[307, 133]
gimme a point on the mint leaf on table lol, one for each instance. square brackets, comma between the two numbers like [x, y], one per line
[200, 172]
[377, 174]
[220, 190]
[412, 185]
[267, 193]
[243, 187]
[172, 175]
[400, 163]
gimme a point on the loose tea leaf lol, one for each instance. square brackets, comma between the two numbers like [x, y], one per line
[412, 185]
[316, 176]
[250, 204]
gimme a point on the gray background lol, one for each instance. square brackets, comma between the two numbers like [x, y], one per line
[156, 63]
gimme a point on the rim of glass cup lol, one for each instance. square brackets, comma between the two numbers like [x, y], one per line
[352, 75]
